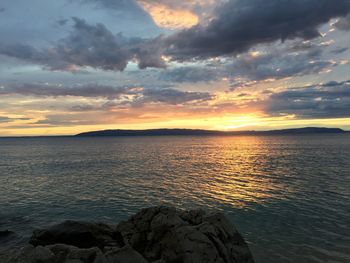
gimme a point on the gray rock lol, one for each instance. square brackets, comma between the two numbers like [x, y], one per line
[60, 251]
[162, 233]
[79, 234]
[66, 253]
[30, 254]
[6, 233]
[125, 255]
[157, 235]
[92, 255]
[40, 254]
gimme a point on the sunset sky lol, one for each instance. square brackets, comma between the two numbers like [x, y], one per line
[68, 66]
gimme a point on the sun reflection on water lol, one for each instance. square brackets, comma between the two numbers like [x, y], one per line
[233, 171]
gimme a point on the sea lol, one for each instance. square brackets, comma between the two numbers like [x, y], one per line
[289, 196]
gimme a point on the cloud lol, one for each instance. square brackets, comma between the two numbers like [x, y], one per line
[127, 95]
[339, 50]
[280, 63]
[236, 26]
[89, 46]
[119, 4]
[4, 119]
[173, 96]
[149, 54]
[51, 90]
[2, 9]
[62, 22]
[191, 74]
[173, 15]
[64, 120]
[343, 23]
[283, 61]
[330, 100]
[188, 4]
[241, 24]
[168, 15]
[86, 45]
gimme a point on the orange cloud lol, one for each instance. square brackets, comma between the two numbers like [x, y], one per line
[167, 17]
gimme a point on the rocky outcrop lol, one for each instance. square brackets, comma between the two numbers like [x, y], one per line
[79, 234]
[158, 234]
[6, 233]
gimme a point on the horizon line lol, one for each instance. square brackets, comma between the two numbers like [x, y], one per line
[169, 129]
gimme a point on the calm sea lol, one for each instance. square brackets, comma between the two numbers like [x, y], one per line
[288, 195]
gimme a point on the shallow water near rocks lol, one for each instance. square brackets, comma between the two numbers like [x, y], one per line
[289, 196]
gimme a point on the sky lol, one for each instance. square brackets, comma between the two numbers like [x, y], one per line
[69, 66]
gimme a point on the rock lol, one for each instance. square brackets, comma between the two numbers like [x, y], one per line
[157, 235]
[39, 254]
[194, 217]
[66, 253]
[6, 233]
[125, 255]
[162, 233]
[79, 234]
[31, 254]
[92, 255]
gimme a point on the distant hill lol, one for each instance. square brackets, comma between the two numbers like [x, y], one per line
[191, 132]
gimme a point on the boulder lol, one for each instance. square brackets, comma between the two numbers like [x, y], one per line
[154, 235]
[29, 254]
[124, 255]
[171, 235]
[79, 234]
[66, 253]
[6, 233]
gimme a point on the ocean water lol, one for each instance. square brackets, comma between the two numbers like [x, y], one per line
[289, 196]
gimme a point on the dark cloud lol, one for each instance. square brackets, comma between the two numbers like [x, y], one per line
[330, 100]
[62, 22]
[237, 26]
[85, 107]
[343, 23]
[173, 96]
[89, 46]
[280, 64]
[94, 46]
[294, 58]
[145, 97]
[2, 9]
[148, 53]
[49, 90]
[139, 95]
[4, 119]
[301, 46]
[64, 120]
[190, 74]
[339, 50]
[242, 24]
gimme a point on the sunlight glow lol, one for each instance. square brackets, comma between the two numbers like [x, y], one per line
[167, 17]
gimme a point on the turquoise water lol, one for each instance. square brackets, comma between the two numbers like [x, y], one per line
[288, 195]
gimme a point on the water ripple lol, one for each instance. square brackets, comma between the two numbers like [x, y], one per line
[288, 195]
